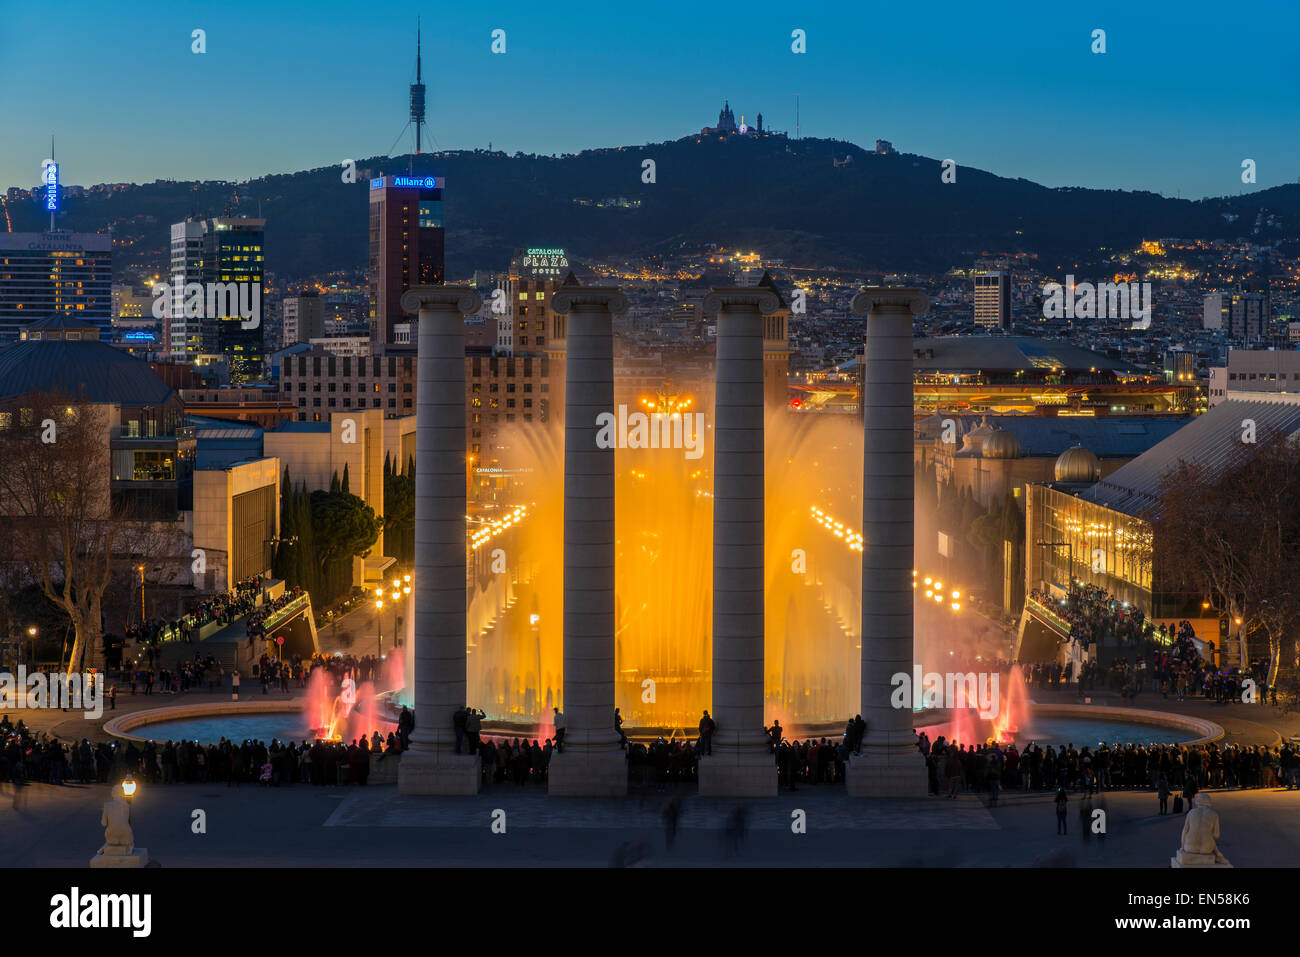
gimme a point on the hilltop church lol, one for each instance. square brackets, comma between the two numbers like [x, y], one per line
[727, 125]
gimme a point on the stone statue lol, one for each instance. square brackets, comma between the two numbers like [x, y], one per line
[118, 837]
[1200, 832]
[119, 850]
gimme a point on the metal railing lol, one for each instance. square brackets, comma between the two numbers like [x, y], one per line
[1042, 611]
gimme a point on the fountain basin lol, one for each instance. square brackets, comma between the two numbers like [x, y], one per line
[208, 723]
[1084, 725]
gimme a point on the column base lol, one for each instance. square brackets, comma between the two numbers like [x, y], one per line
[437, 772]
[579, 773]
[738, 774]
[887, 772]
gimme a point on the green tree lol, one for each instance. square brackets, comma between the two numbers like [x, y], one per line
[399, 514]
[286, 558]
[343, 527]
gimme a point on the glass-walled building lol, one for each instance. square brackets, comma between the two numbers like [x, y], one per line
[1070, 538]
[1099, 529]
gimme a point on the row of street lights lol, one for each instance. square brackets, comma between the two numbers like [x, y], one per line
[934, 590]
[401, 589]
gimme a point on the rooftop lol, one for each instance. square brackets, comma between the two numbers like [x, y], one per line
[970, 354]
[1209, 439]
[85, 368]
[1107, 436]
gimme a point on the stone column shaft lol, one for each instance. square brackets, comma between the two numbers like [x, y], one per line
[890, 763]
[592, 763]
[741, 763]
[431, 766]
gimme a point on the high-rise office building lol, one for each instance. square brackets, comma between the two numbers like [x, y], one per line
[993, 300]
[407, 246]
[42, 274]
[220, 321]
[304, 318]
[1217, 310]
[1249, 317]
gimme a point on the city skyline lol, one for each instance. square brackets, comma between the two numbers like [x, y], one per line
[1137, 117]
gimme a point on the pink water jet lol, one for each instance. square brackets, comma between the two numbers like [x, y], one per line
[393, 673]
[1013, 707]
[965, 726]
[319, 702]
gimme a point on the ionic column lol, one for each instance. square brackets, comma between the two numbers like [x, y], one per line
[592, 763]
[741, 763]
[889, 764]
[431, 766]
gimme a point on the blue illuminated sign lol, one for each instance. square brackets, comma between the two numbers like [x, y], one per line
[138, 336]
[52, 186]
[407, 182]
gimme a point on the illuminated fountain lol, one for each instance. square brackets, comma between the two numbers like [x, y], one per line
[664, 520]
[356, 711]
[1019, 721]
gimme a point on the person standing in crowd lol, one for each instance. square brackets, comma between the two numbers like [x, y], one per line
[707, 727]
[1062, 799]
[559, 729]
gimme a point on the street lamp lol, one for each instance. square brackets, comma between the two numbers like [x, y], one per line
[379, 620]
[396, 596]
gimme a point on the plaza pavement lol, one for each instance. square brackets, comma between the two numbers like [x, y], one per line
[252, 826]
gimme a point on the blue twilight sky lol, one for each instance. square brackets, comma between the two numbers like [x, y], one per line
[1184, 92]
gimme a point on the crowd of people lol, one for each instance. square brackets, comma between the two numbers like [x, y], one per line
[990, 767]
[27, 757]
[1094, 616]
[223, 608]
[364, 668]
[255, 625]
[1167, 659]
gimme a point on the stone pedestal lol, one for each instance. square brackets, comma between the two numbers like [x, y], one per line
[592, 763]
[592, 771]
[894, 768]
[742, 764]
[1188, 859]
[133, 858]
[438, 772]
[737, 769]
[890, 765]
[430, 765]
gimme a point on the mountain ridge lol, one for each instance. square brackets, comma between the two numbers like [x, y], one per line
[814, 202]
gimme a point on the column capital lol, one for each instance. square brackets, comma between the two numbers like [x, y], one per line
[588, 299]
[462, 299]
[870, 298]
[745, 297]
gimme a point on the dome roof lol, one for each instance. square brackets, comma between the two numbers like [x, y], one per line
[1077, 464]
[87, 369]
[1001, 444]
